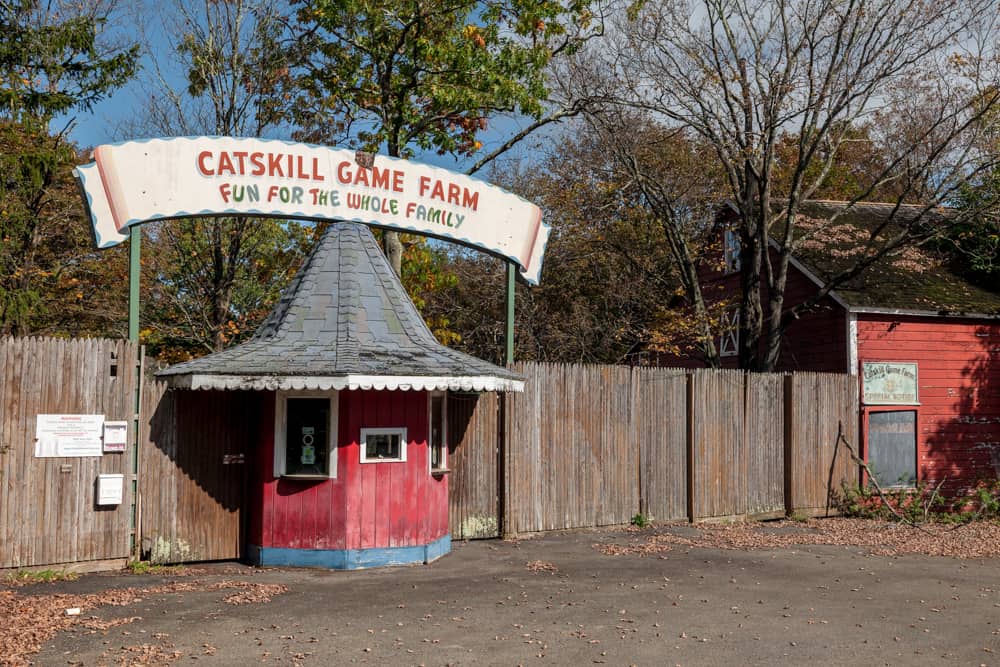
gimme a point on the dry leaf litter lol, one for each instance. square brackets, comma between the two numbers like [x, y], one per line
[541, 566]
[974, 540]
[31, 620]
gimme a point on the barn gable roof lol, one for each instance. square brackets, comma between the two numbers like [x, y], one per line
[917, 279]
[344, 322]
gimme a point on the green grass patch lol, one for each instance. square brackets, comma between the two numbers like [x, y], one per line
[24, 577]
[145, 567]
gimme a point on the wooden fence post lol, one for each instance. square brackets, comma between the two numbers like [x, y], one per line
[789, 388]
[503, 509]
[690, 449]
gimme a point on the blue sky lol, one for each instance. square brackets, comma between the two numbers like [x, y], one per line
[146, 20]
[108, 121]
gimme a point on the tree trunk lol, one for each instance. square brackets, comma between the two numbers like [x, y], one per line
[393, 246]
[394, 251]
[751, 264]
[220, 317]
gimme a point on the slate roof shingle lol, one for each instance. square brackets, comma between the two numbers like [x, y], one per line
[344, 321]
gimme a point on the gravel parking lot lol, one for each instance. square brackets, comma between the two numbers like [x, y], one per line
[661, 596]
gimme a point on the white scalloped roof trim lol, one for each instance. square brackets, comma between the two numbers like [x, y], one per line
[303, 382]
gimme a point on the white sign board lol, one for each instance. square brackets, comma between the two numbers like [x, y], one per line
[115, 436]
[138, 181]
[68, 435]
[889, 383]
[110, 489]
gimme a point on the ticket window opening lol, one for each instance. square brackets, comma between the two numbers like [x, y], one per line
[307, 436]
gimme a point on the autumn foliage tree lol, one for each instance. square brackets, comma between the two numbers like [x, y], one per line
[53, 62]
[608, 285]
[425, 75]
[210, 281]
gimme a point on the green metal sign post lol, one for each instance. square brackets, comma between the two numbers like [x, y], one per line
[134, 270]
[509, 356]
[134, 242]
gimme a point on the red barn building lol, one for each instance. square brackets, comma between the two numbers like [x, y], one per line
[349, 466]
[924, 342]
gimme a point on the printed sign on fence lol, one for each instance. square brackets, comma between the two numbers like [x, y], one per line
[68, 435]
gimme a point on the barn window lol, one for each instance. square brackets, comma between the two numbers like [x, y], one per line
[305, 433]
[383, 444]
[729, 341]
[732, 251]
[892, 447]
[438, 435]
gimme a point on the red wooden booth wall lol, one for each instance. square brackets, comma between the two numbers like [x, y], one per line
[367, 505]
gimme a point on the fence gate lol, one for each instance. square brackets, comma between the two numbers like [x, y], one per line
[473, 447]
[194, 466]
[48, 509]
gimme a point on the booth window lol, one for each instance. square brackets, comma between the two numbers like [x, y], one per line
[383, 445]
[892, 447]
[304, 436]
[438, 455]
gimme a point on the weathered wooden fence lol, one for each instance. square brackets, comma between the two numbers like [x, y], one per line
[593, 445]
[583, 446]
[817, 406]
[48, 510]
[736, 447]
[473, 447]
[571, 452]
[660, 397]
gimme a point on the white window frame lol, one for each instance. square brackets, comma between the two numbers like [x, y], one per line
[731, 250]
[729, 340]
[444, 430]
[281, 428]
[394, 430]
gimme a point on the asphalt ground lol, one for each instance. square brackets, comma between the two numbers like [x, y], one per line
[553, 600]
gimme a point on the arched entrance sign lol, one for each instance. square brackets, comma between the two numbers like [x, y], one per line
[138, 181]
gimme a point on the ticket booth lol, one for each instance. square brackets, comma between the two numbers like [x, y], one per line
[349, 465]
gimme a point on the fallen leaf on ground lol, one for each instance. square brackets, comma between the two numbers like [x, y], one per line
[541, 566]
[975, 540]
[31, 620]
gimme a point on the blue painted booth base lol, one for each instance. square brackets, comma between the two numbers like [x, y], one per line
[349, 559]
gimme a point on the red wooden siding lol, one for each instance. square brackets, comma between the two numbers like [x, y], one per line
[958, 370]
[817, 341]
[370, 505]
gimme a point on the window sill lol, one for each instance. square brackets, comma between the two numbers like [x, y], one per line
[438, 472]
[306, 476]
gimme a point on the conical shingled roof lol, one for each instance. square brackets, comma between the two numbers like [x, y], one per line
[344, 322]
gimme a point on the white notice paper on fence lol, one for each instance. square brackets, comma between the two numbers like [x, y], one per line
[68, 435]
